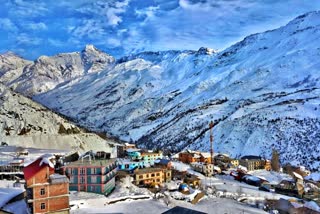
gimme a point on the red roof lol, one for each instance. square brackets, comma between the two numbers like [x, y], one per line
[33, 168]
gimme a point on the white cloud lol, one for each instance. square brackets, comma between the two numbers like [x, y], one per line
[7, 24]
[25, 39]
[37, 26]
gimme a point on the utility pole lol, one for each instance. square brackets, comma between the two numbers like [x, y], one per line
[211, 141]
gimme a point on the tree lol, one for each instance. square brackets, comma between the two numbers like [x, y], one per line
[275, 164]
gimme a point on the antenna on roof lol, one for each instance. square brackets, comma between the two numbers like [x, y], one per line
[211, 141]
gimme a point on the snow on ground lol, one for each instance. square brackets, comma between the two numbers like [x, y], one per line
[186, 167]
[272, 177]
[7, 153]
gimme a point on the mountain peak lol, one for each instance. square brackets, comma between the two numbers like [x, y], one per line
[90, 47]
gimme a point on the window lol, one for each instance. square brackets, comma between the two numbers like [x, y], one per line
[94, 179]
[42, 191]
[82, 171]
[140, 176]
[43, 206]
[72, 171]
[82, 180]
[158, 174]
[94, 171]
[158, 180]
[152, 175]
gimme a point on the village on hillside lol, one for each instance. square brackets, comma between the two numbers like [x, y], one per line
[51, 181]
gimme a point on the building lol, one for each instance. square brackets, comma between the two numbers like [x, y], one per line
[192, 180]
[234, 163]
[134, 154]
[206, 169]
[47, 192]
[122, 149]
[127, 164]
[151, 176]
[189, 156]
[205, 157]
[252, 162]
[163, 163]
[150, 157]
[92, 175]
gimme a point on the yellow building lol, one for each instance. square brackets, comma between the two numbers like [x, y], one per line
[151, 176]
[235, 162]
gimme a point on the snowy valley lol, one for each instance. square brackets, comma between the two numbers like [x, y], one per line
[262, 93]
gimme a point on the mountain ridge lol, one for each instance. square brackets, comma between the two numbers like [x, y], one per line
[262, 93]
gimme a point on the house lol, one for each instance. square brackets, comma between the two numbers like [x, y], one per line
[205, 157]
[163, 163]
[192, 180]
[134, 154]
[206, 169]
[234, 163]
[122, 149]
[127, 164]
[189, 156]
[46, 191]
[252, 162]
[92, 175]
[267, 165]
[151, 176]
[150, 156]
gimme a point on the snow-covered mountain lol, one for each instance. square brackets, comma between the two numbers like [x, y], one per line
[26, 123]
[262, 93]
[45, 73]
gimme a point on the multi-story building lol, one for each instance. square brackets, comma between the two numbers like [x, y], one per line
[206, 169]
[189, 156]
[122, 149]
[47, 192]
[127, 164]
[88, 175]
[205, 157]
[252, 162]
[150, 157]
[151, 176]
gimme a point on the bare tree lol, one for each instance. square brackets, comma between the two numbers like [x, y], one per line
[275, 164]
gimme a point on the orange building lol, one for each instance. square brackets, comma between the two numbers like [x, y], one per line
[47, 192]
[189, 157]
[194, 156]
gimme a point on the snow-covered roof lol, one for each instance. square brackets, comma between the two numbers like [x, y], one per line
[57, 179]
[205, 154]
[133, 150]
[6, 194]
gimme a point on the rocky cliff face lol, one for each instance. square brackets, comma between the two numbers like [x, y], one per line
[26, 123]
[46, 73]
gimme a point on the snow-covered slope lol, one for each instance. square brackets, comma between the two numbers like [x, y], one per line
[45, 73]
[26, 123]
[262, 93]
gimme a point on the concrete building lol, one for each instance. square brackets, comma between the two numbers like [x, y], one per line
[151, 176]
[47, 192]
[189, 156]
[252, 162]
[150, 157]
[206, 169]
[89, 175]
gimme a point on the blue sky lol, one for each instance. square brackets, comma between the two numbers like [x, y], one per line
[33, 27]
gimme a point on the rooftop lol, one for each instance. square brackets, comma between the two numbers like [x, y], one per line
[147, 170]
[87, 162]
